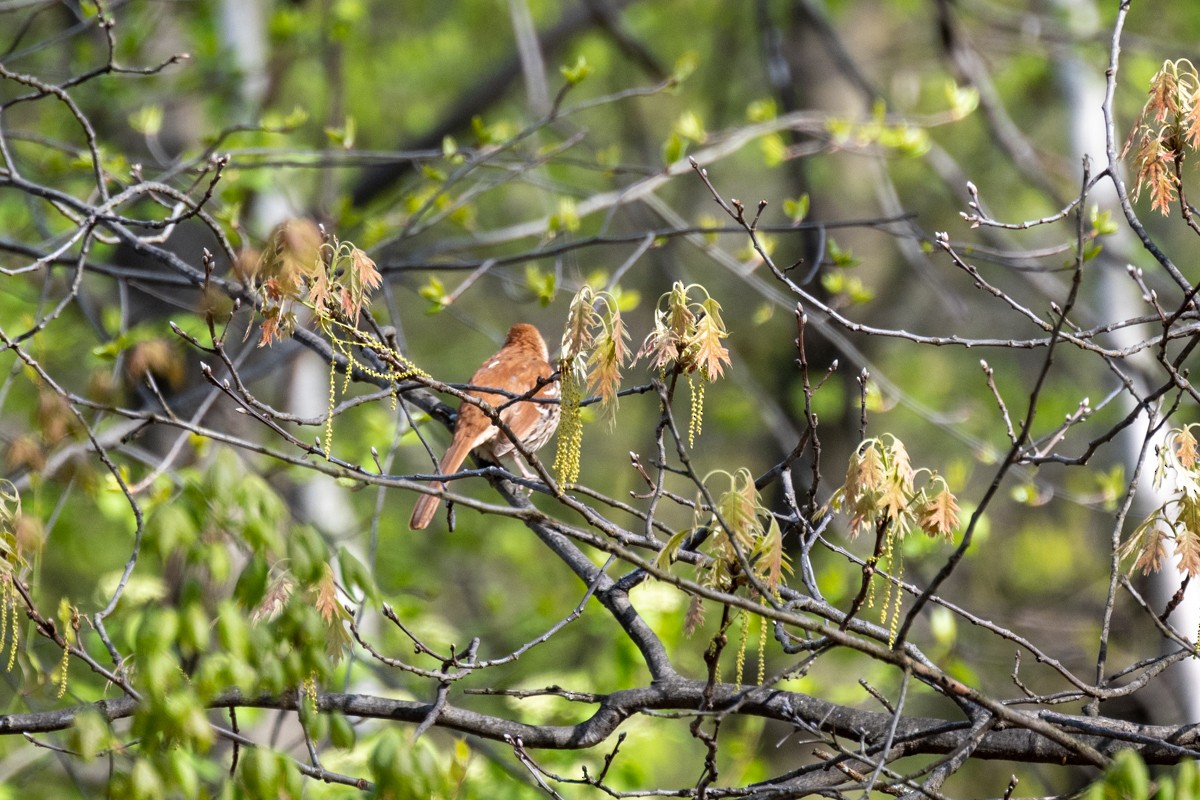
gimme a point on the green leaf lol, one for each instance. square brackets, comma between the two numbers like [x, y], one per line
[90, 735]
[1187, 775]
[144, 782]
[180, 771]
[306, 554]
[435, 292]
[147, 120]
[575, 73]
[673, 149]
[761, 110]
[344, 136]
[387, 766]
[667, 555]
[260, 774]
[494, 133]
[849, 286]
[1127, 777]
[158, 632]
[962, 99]
[233, 631]
[627, 299]
[460, 763]
[1102, 222]
[797, 208]
[690, 127]
[355, 574]
[195, 630]
[567, 217]
[542, 284]
[341, 732]
[1112, 486]
[943, 626]
[171, 529]
[433, 173]
[685, 65]
[841, 258]
[274, 120]
[774, 149]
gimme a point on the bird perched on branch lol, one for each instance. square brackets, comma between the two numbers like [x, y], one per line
[519, 367]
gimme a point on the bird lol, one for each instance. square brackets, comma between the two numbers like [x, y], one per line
[520, 365]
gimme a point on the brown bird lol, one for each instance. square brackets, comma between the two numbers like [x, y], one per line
[516, 368]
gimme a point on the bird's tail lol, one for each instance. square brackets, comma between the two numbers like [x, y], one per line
[427, 504]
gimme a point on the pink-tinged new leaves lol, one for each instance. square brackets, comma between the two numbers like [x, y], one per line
[1153, 163]
[345, 285]
[1149, 554]
[607, 359]
[1185, 448]
[661, 348]
[738, 508]
[321, 291]
[325, 600]
[594, 351]
[1164, 93]
[278, 324]
[297, 266]
[898, 486]
[277, 595]
[938, 516]
[860, 493]
[695, 615]
[1178, 518]
[362, 278]
[709, 353]
[1187, 548]
[291, 255]
[687, 334]
[742, 524]
[894, 499]
[674, 325]
[595, 345]
[881, 485]
[1173, 111]
[1191, 118]
[773, 557]
[581, 319]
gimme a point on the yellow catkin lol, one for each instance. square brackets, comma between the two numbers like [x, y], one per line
[62, 668]
[741, 654]
[696, 417]
[330, 406]
[310, 691]
[762, 650]
[898, 574]
[570, 433]
[887, 562]
[345, 346]
[13, 643]
[350, 365]
[5, 602]
[11, 611]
